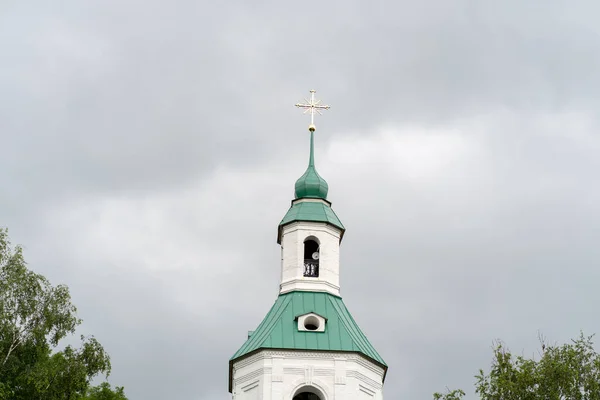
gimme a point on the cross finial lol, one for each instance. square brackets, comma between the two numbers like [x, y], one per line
[312, 106]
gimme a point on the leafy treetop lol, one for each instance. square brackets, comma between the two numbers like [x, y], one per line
[34, 317]
[567, 372]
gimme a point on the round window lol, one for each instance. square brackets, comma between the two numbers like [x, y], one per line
[311, 323]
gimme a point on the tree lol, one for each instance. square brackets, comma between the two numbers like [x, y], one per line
[456, 394]
[34, 317]
[567, 372]
[104, 392]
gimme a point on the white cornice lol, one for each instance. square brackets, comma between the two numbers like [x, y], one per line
[312, 225]
[259, 359]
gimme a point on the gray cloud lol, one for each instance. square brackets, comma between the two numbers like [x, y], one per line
[149, 151]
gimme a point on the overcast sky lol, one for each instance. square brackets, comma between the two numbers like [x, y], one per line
[150, 149]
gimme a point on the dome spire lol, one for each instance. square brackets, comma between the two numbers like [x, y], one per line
[310, 184]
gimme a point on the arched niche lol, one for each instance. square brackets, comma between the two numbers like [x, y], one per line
[311, 257]
[308, 393]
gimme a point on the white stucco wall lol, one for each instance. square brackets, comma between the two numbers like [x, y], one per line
[279, 375]
[292, 257]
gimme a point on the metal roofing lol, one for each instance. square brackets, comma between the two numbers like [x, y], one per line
[311, 184]
[279, 328]
[311, 211]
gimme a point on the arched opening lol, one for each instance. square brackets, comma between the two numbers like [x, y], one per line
[311, 258]
[306, 396]
[308, 392]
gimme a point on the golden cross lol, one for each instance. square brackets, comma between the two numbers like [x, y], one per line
[312, 106]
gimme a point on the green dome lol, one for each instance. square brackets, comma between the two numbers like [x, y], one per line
[310, 184]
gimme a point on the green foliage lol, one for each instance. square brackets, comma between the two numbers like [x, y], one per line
[449, 395]
[104, 392]
[567, 372]
[34, 317]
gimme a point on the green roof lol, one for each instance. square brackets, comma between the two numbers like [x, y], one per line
[279, 329]
[311, 184]
[311, 211]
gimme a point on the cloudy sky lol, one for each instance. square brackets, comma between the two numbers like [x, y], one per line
[150, 148]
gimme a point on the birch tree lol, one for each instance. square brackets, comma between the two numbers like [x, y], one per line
[559, 372]
[34, 317]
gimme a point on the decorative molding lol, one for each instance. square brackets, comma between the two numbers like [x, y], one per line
[324, 355]
[369, 365]
[319, 355]
[311, 226]
[244, 362]
[365, 379]
[293, 371]
[286, 369]
[340, 371]
[277, 373]
[315, 355]
[308, 374]
[324, 372]
[322, 387]
[366, 390]
[250, 386]
[254, 374]
[304, 281]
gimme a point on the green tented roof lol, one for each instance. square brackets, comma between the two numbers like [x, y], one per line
[310, 211]
[279, 329]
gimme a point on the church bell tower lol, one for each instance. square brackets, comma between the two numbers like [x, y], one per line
[308, 346]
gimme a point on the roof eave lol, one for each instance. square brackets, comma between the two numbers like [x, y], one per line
[280, 228]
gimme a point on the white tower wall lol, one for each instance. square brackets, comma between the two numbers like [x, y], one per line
[292, 259]
[280, 375]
